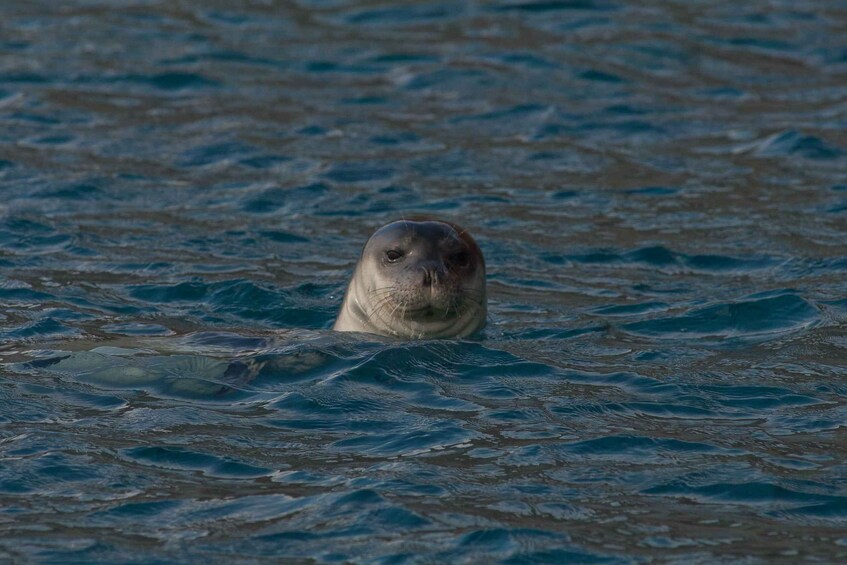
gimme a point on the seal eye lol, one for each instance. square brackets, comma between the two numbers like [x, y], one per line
[460, 259]
[393, 255]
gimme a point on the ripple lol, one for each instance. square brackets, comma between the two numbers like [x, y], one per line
[660, 256]
[46, 327]
[215, 153]
[659, 193]
[436, 437]
[274, 199]
[790, 143]
[354, 173]
[759, 398]
[756, 316]
[543, 6]
[181, 459]
[748, 493]
[637, 446]
[170, 81]
[410, 15]
[82, 191]
[135, 328]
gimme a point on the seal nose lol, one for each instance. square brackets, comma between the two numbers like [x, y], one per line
[433, 273]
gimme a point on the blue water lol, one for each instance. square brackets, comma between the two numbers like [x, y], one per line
[660, 190]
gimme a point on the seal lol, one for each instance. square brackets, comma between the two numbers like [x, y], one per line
[417, 280]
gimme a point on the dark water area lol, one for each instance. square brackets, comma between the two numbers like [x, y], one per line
[660, 190]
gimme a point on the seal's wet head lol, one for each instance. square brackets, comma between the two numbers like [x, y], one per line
[417, 279]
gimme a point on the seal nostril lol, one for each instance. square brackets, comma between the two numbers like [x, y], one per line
[407, 284]
[438, 275]
[433, 273]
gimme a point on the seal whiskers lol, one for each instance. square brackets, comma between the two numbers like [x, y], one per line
[417, 279]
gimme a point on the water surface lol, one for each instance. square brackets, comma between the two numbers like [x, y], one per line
[661, 194]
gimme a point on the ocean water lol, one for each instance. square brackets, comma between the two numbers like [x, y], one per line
[660, 190]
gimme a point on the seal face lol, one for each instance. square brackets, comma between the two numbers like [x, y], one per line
[414, 280]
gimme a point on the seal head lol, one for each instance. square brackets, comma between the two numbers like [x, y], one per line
[416, 280]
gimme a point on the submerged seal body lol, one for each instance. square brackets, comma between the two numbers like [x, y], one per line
[414, 280]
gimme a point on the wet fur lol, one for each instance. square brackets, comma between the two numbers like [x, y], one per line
[426, 297]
